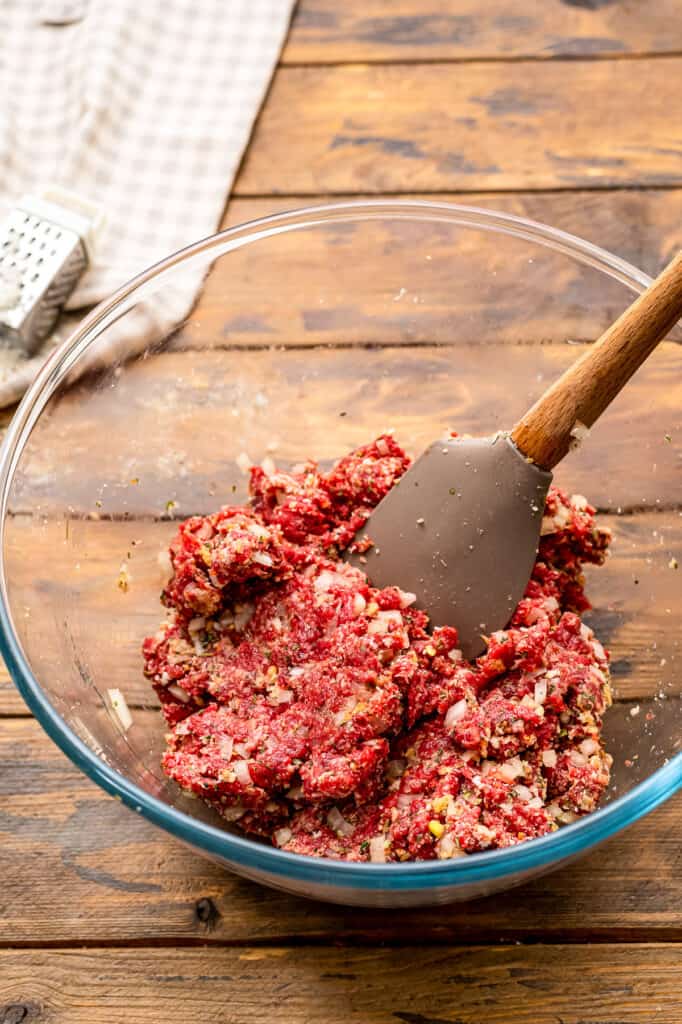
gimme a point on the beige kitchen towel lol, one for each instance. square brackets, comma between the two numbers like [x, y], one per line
[142, 106]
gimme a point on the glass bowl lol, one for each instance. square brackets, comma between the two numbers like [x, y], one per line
[318, 329]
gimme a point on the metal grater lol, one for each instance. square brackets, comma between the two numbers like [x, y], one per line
[45, 245]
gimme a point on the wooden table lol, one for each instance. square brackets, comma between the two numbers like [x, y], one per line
[569, 111]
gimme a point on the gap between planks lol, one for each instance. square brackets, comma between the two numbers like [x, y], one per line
[557, 58]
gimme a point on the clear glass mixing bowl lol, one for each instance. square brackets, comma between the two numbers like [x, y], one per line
[318, 329]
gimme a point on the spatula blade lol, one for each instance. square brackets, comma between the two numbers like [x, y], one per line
[461, 531]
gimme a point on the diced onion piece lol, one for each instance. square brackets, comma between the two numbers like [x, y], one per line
[487, 767]
[225, 747]
[377, 850]
[120, 709]
[233, 813]
[282, 836]
[241, 770]
[344, 713]
[455, 713]
[326, 580]
[406, 598]
[598, 650]
[395, 768]
[447, 847]
[535, 803]
[268, 466]
[563, 817]
[455, 655]
[547, 526]
[263, 558]
[549, 758]
[589, 747]
[511, 769]
[338, 823]
[404, 800]
[242, 615]
[578, 758]
[179, 694]
[296, 673]
[259, 531]
[241, 749]
[382, 446]
[284, 696]
[381, 623]
[540, 692]
[523, 792]
[359, 604]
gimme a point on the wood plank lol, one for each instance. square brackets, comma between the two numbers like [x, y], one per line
[535, 985]
[10, 701]
[358, 284]
[77, 867]
[383, 30]
[637, 600]
[176, 422]
[640, 225]
[430, 127]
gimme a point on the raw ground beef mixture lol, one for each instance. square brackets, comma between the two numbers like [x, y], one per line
[318, 711]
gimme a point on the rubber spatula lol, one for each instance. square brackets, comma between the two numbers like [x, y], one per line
[462, 526]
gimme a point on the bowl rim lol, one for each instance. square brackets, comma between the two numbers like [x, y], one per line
[234, 849]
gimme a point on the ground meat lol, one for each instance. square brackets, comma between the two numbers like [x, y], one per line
[320, 712]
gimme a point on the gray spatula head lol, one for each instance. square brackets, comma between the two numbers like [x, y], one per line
[461, 531]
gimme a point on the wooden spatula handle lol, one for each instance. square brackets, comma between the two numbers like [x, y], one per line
[547, 431]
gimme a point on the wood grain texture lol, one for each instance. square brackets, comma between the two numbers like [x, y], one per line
[469, 127]
[537, 985]
[545, 434]
[383, 30]
[637, 601]
[189, 415]
[10, 701]
[92, 871]
[340, 287]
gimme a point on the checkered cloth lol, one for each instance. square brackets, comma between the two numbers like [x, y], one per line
[145, 107]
